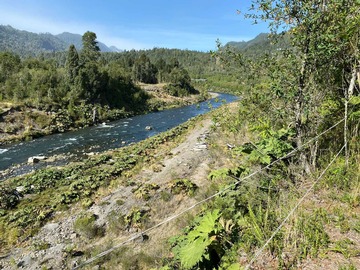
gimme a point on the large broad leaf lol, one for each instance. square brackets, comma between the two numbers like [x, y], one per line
[219, 174]
[234, 266]
[207, 223]
[193, 251]
[354, 100]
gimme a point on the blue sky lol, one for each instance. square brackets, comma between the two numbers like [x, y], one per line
[137, 24]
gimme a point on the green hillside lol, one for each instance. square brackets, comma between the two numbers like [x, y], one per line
[26, 43]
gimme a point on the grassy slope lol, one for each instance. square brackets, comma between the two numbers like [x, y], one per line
[323, 233]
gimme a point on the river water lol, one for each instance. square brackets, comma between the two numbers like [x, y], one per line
[102, 137]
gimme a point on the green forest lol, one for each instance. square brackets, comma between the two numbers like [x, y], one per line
[283, 187]
[88, 77]
[67, 90]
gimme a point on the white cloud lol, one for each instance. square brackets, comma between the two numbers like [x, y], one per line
[119, 36]
[122, 43]
[46, 25]
[37, 25]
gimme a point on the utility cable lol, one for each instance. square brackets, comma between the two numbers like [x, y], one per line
[292, 211]
[138, 235]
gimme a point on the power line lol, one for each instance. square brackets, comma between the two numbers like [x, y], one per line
[138, 235]
[292, 211]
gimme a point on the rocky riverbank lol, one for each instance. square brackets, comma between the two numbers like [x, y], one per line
[152, 191]
[19, 122]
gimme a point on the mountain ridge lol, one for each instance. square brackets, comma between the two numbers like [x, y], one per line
[242, 45]
[26, 43]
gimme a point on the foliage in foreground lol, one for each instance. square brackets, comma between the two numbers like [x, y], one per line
[289, 97]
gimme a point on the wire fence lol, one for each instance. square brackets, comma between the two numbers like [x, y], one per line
[173, 217]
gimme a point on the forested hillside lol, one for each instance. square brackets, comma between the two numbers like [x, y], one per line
[62, 91]
[25, 44]
[262, 44]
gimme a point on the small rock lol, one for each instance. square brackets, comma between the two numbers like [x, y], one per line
[33, 160]
[76, 253]
[148, 127]
[40, 157]
[51, 226]
[20, 188]
[26, 261]
[200, 147]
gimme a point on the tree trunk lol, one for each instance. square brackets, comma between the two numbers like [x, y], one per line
[299, 109]
[348, 94]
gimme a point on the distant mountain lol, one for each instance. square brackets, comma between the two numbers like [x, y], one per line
[27, 43]
[261, 39]
[114, 49]
[76, 39]
[69, 38]
[261, 43]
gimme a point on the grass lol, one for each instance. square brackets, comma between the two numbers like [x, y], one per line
[54, 189]
[318, 229]
[85, 226]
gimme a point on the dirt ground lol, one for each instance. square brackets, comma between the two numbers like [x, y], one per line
[190, 159]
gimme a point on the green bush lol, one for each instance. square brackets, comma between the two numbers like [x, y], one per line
[136, 217]
[183, 186]
[116, 222]
[9, 198]
[85, 226]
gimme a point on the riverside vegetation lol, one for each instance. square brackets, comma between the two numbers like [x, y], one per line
[44, 95]
[274, 210]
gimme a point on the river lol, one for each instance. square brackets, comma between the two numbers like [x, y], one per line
[76, 144]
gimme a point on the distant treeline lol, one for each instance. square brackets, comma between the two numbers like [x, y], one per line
[64, 80]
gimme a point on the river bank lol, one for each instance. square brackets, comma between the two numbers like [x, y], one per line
[147, 186]
[71, 146]
[19, 122]
[122, 208]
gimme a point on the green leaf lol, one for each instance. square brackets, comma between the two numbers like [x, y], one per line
[234, 266]
[196, 242]
[354, 100]
[193, 252]
[221, 173]
[207, 224]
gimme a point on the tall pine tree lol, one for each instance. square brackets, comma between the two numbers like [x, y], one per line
[72, 64]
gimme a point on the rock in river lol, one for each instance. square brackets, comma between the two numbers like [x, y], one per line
[35, 159]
